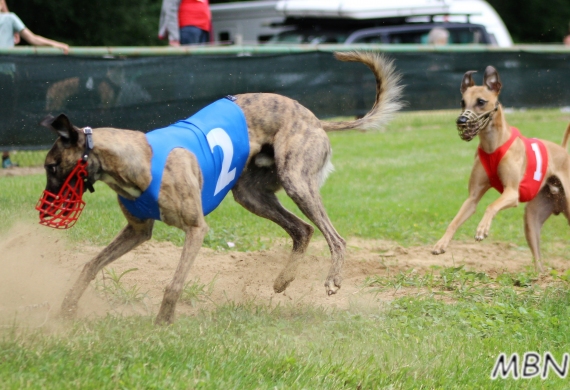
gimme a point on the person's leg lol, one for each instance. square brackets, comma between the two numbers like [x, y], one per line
[204, 36]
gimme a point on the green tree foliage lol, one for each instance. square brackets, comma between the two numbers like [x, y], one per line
[93, 22]
[535, 21]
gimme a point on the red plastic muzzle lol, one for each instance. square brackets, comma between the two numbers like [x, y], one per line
[61, 211]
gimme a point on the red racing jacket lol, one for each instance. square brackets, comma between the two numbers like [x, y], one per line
[536, 164]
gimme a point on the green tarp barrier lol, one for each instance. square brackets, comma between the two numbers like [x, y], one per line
[144, 90]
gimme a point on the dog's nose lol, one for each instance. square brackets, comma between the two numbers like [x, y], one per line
[461, 120]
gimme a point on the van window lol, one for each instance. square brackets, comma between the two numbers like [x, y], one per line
[377, 38]
[314, 37]
[468, 35]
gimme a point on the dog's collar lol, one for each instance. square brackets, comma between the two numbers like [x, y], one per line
[475, 123]
[88, 131]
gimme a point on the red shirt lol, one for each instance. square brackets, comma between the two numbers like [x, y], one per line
[536, 164]
[194, 13]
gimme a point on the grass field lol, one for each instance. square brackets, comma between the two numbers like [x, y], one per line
[405, 185]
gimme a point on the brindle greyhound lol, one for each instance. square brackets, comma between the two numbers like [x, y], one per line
[289, 149]
[543, 172]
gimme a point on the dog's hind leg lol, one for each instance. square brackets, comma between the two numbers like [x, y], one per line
[255, 191]
[306, 196]
[536, 213]
[302, 170]
[130, 237]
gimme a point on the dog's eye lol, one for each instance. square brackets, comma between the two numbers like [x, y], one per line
[481, 102]
[52, 168]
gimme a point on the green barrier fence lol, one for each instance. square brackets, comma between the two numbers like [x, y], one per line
[146, 88]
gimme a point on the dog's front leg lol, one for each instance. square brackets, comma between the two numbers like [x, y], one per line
[510, 174]
[192, 244]
[130, 237]
[509, 198]
[465, 212]
[478, 185]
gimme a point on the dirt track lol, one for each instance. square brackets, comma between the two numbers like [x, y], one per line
[21, 171]
[38, 268]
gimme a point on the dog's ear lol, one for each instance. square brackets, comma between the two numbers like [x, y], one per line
[492, 80]
[46, 122]
[467, 81]
[63, 127]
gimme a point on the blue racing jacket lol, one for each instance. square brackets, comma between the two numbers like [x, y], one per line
[217, 136]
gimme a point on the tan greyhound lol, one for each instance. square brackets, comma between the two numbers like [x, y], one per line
[522, 169]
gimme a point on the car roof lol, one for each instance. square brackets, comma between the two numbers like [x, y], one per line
[362, 9]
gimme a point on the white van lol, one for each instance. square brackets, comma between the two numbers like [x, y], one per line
[260, 21]
[249, 22]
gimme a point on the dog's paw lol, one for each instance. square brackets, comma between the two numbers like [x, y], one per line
[332, 285]
[481, 234]
[439, 248]
[281, 285]
[482, 231]
[163, 320]
[68, 312]
[284, 279]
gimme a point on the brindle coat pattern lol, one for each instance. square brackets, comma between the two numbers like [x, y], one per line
[551, 199]
[289, 149]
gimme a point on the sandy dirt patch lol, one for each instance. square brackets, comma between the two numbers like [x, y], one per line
[38, 267]
[21, 171]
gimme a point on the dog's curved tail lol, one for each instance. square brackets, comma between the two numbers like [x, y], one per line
[388, 92]
[566, 137]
